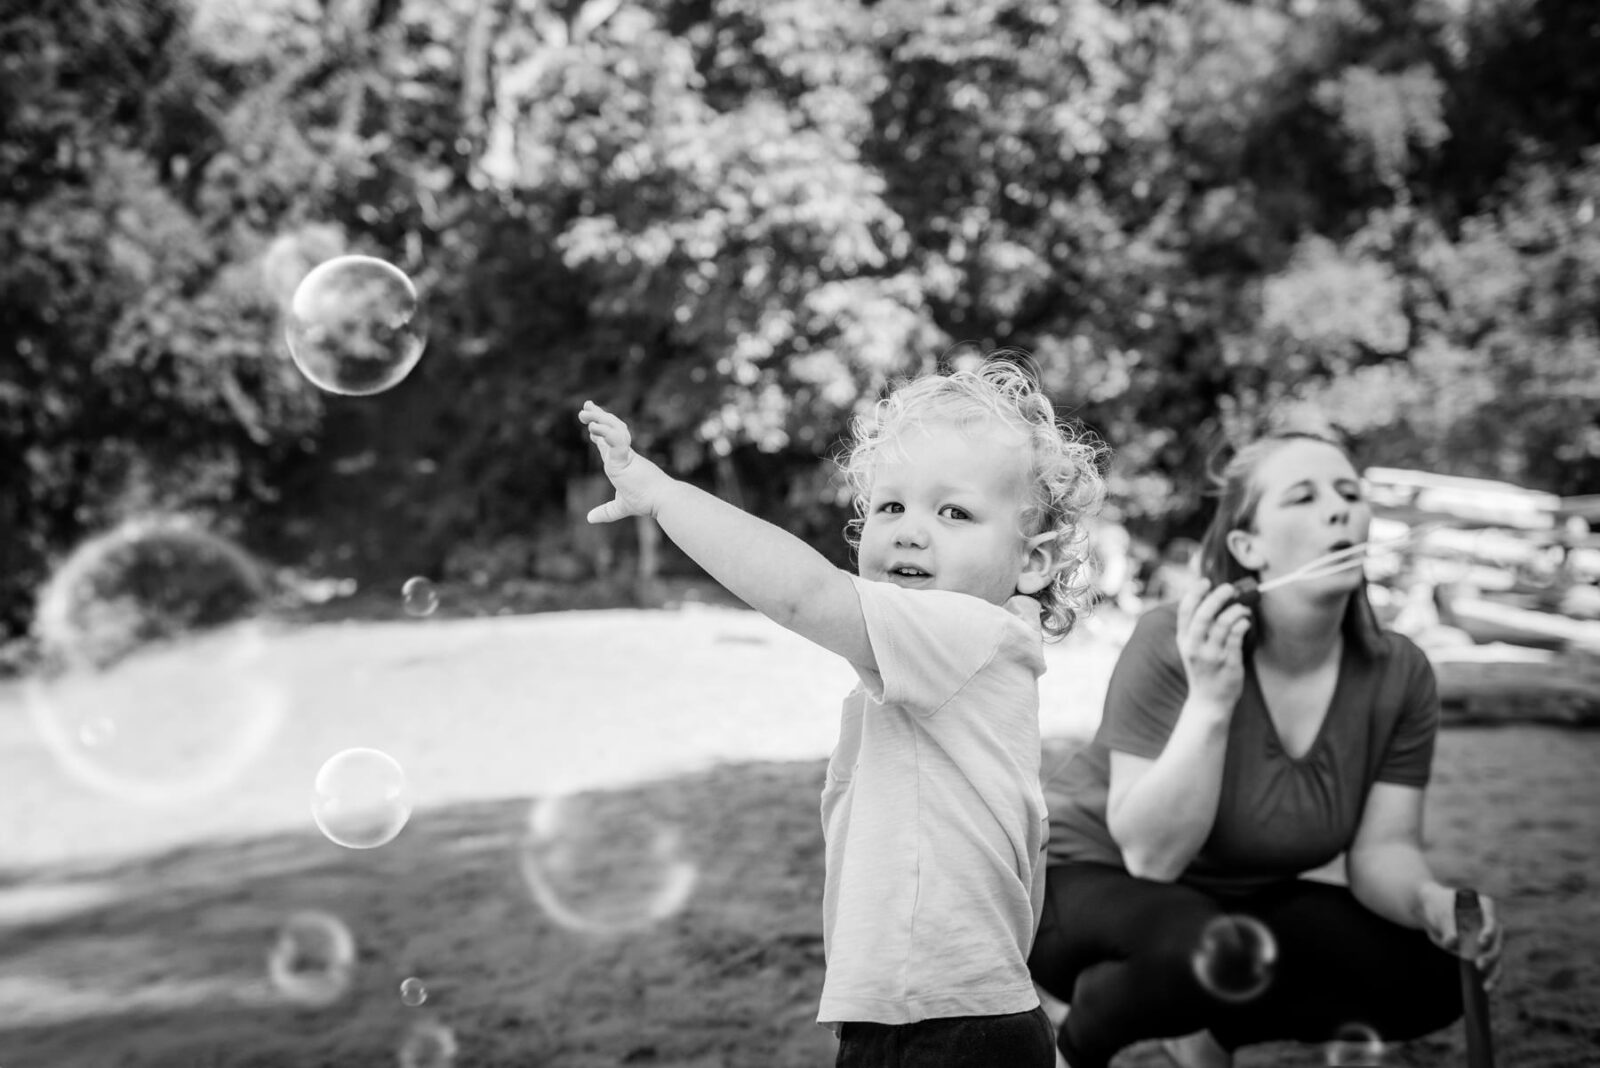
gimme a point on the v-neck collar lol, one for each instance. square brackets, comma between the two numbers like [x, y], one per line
[1275, 739]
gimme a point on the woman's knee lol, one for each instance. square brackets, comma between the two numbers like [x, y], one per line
[1434, 987]
[1149, 928]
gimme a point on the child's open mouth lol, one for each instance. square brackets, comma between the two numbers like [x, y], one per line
[908, 573]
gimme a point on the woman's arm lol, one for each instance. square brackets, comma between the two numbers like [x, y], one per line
[768, 568]
[1389, 874]
[1160, 811]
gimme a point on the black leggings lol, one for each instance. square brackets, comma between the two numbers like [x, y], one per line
[1119, 950]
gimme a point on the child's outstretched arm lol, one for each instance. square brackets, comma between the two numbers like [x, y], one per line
[766, 567]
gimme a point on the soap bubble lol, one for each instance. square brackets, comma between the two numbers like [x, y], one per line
[413, 993]
[355, 325]
[598, 865]
[1354, 1044]
[312, 961]
[428, 1045]
[97, 731]
[419, 597]
[154, 685]
[361, 799]
[1235, 958]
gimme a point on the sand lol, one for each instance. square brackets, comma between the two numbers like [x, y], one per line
[690, 747]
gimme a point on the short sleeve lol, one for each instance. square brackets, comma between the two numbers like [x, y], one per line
[1147, 689]
[928, 643]
[1408, 758]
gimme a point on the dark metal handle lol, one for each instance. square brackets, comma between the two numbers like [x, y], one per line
[1474, 999]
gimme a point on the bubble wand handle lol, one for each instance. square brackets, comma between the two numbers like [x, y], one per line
[1474, 999]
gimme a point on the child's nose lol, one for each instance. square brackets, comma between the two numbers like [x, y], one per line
[911, 534]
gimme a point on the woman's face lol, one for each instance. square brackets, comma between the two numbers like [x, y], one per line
[1311, 503]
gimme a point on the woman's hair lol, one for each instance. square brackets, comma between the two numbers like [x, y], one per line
[1238, 495]
[1063, 470]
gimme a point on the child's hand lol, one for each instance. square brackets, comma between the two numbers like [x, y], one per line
[638, 482]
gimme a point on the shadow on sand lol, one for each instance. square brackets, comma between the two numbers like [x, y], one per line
[162, 961]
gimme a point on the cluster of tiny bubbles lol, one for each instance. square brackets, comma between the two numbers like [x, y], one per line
[312, 960]
[428, 1044]
[1354, 1044]
[153, 683]
[412, 992]
[598, 865]
[361, 798]
[355, 325]
[419, 597]
[1235, 958]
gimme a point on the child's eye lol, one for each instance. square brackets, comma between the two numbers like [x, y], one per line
[891, 506]
[955, 512]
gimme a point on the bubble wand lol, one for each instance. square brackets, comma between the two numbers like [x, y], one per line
[1247, 591]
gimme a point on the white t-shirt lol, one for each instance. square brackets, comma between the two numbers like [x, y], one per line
[933, 814]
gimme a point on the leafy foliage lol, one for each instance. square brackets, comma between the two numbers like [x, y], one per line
[736, 220]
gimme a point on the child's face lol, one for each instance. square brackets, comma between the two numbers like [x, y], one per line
[946, 511]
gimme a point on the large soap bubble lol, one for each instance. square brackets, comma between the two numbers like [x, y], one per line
[595, 864]
[1236, 958]
[428, 1044]
[361, 799]
[355, 325]
[154, 685]
[313, 959]
[1355, 1044]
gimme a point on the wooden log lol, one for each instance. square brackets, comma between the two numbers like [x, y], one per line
[1502, 682]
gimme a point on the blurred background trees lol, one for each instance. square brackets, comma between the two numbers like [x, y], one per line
[736, 220]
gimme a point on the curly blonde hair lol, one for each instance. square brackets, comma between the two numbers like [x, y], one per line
[1064, 465]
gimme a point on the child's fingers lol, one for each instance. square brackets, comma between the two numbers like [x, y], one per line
[600, 421]
[592, 415]
[609, 512]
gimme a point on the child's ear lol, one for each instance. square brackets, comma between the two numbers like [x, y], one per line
[1242, 544]
[1042, 563]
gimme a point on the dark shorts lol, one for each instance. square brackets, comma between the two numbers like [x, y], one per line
[1014, 1040]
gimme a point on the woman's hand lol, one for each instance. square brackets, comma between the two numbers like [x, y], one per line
[1439, 920]
[1211, 643]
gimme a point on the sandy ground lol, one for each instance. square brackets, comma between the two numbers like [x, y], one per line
[691, 746]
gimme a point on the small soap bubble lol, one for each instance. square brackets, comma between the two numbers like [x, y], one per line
[355, 325]
[313, 959]
[596, 864]
[428, 1045]
[413, 993]
[361, 799]
[1354, 1044]
[154, 685]
[419, 596]
[1235, 958]
[97, 731]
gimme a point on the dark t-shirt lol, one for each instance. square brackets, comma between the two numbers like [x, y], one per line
[1277, 816]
